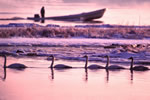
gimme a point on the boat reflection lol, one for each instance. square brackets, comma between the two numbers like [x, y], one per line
[72, 21]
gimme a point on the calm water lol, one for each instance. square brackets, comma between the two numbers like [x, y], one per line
[118, 12]
[43, 83]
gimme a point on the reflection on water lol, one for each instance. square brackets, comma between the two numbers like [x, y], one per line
[131, 71]
[107, 75]
[76, 83]
[52, 73]
[3, 76]
[118, 12]
[86, 74]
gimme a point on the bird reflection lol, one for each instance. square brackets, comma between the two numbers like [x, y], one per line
[107, 75]
[52, 73]
[4, 77]
[131, 71]
[86, 74]
[4, 74]
[131, 77]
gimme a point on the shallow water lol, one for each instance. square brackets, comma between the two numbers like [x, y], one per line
[41, 82]
[119, 50]
[118, 12]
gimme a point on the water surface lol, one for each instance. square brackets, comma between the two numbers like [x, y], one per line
[118, 12]
[42, 83]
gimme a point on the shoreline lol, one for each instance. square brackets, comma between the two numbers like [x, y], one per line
[30, 30]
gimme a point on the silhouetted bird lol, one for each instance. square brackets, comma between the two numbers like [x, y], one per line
[137, 68]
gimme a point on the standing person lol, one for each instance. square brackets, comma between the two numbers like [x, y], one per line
[42, 12]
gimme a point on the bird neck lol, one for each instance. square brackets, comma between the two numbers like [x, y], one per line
[107, 62]
[52, 62]
[52, 73]
[86, 63]
[4, 73]
[132, 62]
[5, 61]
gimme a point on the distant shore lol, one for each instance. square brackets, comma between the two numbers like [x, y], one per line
[87, 31]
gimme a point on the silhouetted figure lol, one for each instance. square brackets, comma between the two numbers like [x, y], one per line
[42, 12]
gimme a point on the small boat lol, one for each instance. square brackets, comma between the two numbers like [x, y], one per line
[87, 16]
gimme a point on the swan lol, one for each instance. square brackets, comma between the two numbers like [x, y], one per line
[112, 67]
[61, 66]
[94, 66]
[14, 66]
[137, 68]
